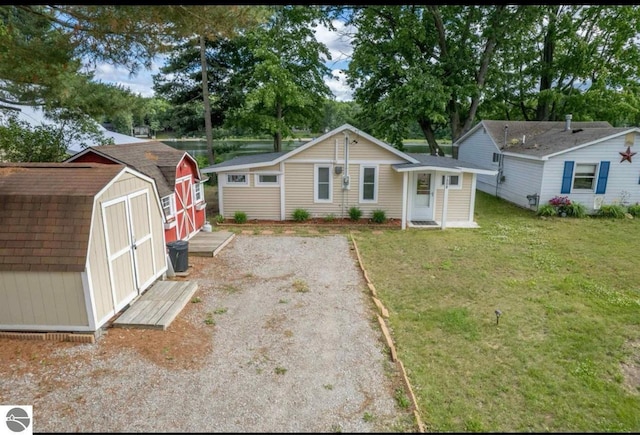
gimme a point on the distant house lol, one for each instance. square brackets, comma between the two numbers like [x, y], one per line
[142, 131]
[176, 175]
[77, 244]
[346, 168]
[590, 162]
[35, 116]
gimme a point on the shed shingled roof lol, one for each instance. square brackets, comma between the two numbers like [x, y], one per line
[155, 159]
[542, 138]
[45, 214]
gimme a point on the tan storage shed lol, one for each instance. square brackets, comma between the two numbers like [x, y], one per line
[78, 243]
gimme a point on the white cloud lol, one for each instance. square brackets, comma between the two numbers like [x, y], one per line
[337, 41]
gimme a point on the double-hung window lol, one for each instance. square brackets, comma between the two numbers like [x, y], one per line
[322, 183]
[368, 183]
[584, 176]
[198, 193]
[169, 205]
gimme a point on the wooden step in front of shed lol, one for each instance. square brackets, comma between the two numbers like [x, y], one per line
[158, 306]
[209, 244]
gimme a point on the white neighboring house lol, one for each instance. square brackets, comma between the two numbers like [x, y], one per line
[592, 163]
[36, 116]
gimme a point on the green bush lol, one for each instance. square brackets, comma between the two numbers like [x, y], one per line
[547, 210]
[300, 215]
[240, 217]
[634, 210]
[576, 209]
[611, 210]
[219, 218]
[330, 217]
[379, 216]
[355, 213]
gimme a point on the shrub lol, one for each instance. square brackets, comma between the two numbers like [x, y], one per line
[240, 217]
[300, 215]
[611, 210]
[219, 218]
[576, 209]
[379, 216]
[355, 213]
[547, 210]
[634, 210]
[330, 217]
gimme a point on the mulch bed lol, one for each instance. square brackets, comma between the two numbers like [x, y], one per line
[315, 222]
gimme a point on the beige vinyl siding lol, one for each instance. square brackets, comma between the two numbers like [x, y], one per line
[389, 191]
[299, 191]
[42, 299]
[258, 202]
[459, 201]
[364, 150]
[97, 260]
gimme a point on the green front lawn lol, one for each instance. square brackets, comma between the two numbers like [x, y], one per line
[562, 356]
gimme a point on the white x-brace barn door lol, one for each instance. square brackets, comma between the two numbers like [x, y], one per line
[186, 212]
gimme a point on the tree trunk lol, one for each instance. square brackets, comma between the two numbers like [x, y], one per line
[546, 72]
[427, 130]
[277, 136]
[207, 104]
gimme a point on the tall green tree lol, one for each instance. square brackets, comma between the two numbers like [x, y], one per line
[283, 85]
[579, 59]
[425, 64]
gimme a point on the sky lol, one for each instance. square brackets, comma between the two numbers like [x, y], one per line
[339, 47]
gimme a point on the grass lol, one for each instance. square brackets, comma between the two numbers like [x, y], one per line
[570, 301]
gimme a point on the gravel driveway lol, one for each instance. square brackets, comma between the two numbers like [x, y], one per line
[282, 338]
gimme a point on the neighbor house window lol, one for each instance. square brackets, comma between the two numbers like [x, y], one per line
[497, 157]
[455, 182]
[584, 176]
[237, 180]
[169, 205]
[368, 183]
[267, 180]
[198, 192]
[322, 183]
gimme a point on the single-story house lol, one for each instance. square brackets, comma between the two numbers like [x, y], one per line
[589, 162]
[177, 178]
[346, 168]
[77, 244]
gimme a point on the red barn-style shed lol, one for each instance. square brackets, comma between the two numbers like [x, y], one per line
[176, 175]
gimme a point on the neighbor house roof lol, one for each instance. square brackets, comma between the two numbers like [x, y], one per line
[45, 214]
[543, 138]
[152, 158]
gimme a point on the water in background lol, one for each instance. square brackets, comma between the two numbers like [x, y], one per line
[244, 147]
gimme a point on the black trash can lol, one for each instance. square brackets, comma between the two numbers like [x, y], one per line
[179, 255]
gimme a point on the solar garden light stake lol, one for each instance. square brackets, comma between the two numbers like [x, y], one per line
[498, 314]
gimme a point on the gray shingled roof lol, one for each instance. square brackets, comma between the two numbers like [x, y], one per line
[438, 161]
[154, 159]
[250, 159]
[542, 138]
[45, 214]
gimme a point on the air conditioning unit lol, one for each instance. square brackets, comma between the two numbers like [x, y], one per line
[597, 202]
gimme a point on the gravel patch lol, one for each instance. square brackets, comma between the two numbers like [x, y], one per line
[292, 345]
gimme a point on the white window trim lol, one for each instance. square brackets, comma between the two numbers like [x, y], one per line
[315, 183]
[451, 186]
[198, 193]
[376, 182]
[259, 183]
[172, 205]
[226, 181]
[594, 183]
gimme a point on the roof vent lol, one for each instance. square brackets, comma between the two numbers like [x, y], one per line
[567, 122]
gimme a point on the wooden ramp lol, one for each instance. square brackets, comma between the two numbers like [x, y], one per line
[158, 306]
[208, 244]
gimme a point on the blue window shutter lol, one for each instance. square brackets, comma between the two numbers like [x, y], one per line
[567, 177]
[602, 177]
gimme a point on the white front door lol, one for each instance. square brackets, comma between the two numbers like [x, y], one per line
[421, 196]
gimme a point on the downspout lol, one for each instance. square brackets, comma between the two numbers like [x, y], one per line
[445, 199]
[500, 158]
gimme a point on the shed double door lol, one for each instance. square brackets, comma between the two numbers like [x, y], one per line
[129, 243]
[185, 208]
